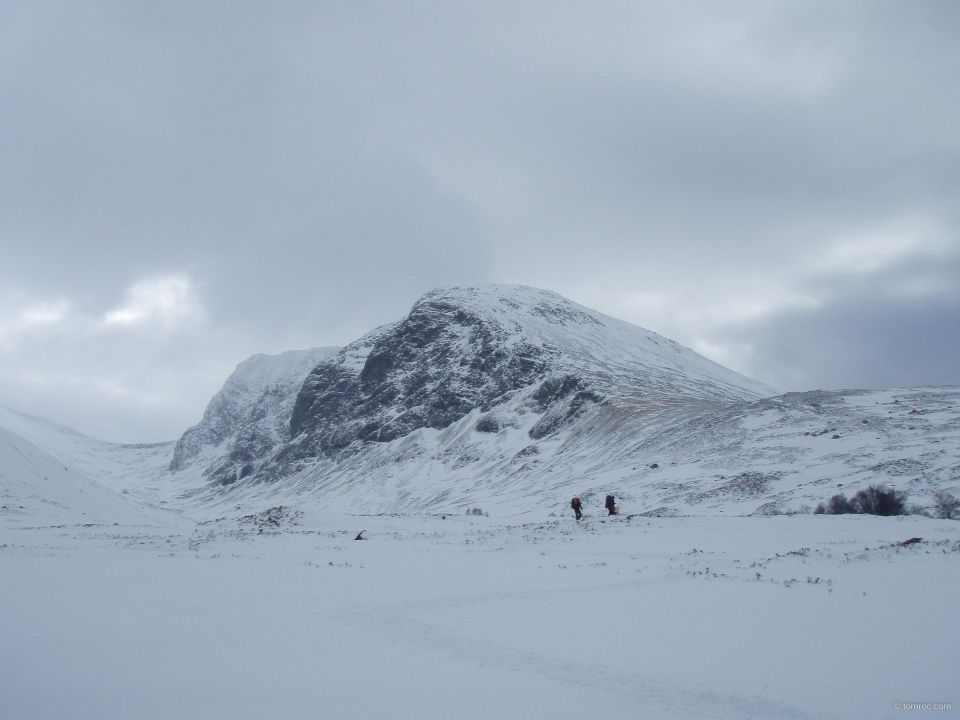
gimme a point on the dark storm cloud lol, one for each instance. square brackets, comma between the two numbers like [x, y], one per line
[259, 177]
[861, 339]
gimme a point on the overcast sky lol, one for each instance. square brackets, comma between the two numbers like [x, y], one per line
[184, 184]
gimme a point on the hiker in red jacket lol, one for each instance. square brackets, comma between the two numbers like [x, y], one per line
[575, 504]
[611, 506]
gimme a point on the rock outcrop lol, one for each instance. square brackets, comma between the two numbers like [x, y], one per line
[249, 417]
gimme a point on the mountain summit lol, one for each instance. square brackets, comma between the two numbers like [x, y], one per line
[513, 356]
[537, 359]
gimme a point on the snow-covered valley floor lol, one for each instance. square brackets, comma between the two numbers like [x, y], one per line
[285, 615]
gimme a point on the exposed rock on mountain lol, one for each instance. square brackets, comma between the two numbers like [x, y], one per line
[249, 417]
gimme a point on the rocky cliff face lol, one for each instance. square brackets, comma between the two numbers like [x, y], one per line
[518, 356]
[249, 417]
[429, 370]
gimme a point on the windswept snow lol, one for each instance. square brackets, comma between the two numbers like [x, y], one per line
[284, 614]
[38, 489]
[773, 455]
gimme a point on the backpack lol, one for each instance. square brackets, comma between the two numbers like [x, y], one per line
[575, 502]
[610, 502]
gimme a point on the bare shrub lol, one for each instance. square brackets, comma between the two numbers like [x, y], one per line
[945, 505]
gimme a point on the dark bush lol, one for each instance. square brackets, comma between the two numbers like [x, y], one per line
[875, 500]
[839, 505]
[821, 509]
[880, 500]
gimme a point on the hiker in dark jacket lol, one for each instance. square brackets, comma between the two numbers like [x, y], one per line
[610, 505]
[575, 504]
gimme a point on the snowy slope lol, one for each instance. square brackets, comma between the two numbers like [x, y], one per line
[138, 469]
[773, 455]
[39, 489]
[781, 453]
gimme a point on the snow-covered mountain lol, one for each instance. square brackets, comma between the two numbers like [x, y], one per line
[514, 399]
[248, 417]
[472, 381]
[523, 357]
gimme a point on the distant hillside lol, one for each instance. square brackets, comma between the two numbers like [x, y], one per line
[38, 489]
[515, 399]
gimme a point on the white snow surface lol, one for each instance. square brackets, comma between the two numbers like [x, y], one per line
[37, 488]
[283, 614]
[61, 476]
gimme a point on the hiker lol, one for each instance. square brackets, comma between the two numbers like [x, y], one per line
[610, 505]
[575, 504]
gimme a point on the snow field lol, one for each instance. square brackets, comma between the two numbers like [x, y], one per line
[476, 617]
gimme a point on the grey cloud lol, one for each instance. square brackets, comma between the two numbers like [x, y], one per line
[314, 167]
[861, 343]
[896, 328]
